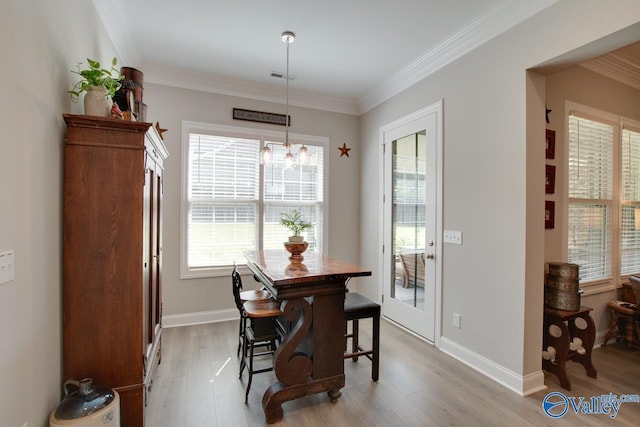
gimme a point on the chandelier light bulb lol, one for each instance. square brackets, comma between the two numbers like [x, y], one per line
[303, 155]
[288, 160]
[265, 155]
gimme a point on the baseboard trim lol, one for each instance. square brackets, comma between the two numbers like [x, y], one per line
[522, 385]
[198, 318]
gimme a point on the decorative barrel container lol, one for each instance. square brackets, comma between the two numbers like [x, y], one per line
[87, 406]
[563, 269]
[561, 288]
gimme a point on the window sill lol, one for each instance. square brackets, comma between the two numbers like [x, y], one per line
[597, 287]
[202, 273]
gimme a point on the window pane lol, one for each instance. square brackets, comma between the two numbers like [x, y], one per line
[590, 159]
[298, 187]
[630, 153]
[629, 240]
[275, 234]
[589, 242]
[222, 238]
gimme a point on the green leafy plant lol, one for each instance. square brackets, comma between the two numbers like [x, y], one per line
[293, 221]
[96, 76]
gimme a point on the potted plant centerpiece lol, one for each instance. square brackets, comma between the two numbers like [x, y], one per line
[100, 84]
[296, 245]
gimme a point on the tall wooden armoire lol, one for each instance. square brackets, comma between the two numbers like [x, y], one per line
[112, 283]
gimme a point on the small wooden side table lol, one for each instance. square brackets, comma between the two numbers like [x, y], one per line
[570, 342]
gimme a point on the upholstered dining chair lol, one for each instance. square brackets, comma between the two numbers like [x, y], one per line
[356, 307]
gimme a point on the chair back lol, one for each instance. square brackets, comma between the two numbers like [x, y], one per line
[413, 265]
[634, 282]
[236, 281]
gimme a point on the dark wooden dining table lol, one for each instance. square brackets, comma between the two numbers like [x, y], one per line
[310, 358]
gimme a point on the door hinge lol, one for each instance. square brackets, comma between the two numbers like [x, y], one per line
[382, 296]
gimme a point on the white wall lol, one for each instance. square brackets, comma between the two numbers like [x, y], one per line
[491, 190]
[41, 42]
[169, 106]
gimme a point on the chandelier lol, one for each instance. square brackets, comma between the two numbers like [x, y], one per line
[287, 37]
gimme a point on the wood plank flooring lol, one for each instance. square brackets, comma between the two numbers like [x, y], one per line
[197, 385]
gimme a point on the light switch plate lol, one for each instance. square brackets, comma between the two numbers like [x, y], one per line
[7, 269]
[453, 236]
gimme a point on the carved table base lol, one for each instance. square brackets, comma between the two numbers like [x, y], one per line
[310, 358]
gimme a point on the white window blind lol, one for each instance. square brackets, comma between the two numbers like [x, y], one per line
[232, 203]
[299, 187]
[591, 186]
[604, 196]
[223, 199]
[630, 222]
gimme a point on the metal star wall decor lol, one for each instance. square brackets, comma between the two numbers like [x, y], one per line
[547, 114]
[160, 130]
[344, 150]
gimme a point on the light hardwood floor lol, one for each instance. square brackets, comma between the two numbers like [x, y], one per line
[197, 385]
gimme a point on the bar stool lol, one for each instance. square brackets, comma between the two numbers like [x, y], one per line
[261, 331]
[240, 298]
[356, 307]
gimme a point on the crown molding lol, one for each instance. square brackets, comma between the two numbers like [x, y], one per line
[484, 28]
[205, 82]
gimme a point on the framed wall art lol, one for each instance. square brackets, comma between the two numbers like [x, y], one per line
[550, 179]
[551, 144]
[549, 213]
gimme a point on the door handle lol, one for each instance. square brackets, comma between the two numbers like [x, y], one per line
[430, 256]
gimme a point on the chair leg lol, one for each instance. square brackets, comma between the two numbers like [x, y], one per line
[246, 394]
[612, 326]
[243, 359]
[240, 335]
[355, 338]
[375, 362]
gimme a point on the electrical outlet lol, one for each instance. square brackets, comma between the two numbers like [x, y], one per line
[452, 236]
[457, 318]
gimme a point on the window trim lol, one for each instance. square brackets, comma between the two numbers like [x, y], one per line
[189, 127]
[603, 284]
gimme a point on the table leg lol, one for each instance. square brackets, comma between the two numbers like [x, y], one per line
[587, 335]
[561, 345]
[310, 358]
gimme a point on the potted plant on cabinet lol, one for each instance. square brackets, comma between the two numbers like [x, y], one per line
[100, 84]
[296, 245]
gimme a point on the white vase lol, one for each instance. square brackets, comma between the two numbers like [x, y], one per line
[96, 102]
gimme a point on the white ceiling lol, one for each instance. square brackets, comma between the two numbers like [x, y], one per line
[348, 56]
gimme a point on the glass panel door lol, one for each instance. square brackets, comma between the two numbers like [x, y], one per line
[408, 219]
[411, 225]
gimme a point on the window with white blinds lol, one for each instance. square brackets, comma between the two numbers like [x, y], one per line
[232, 203]
[630, 200]
[591, 179]
[603, 194]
